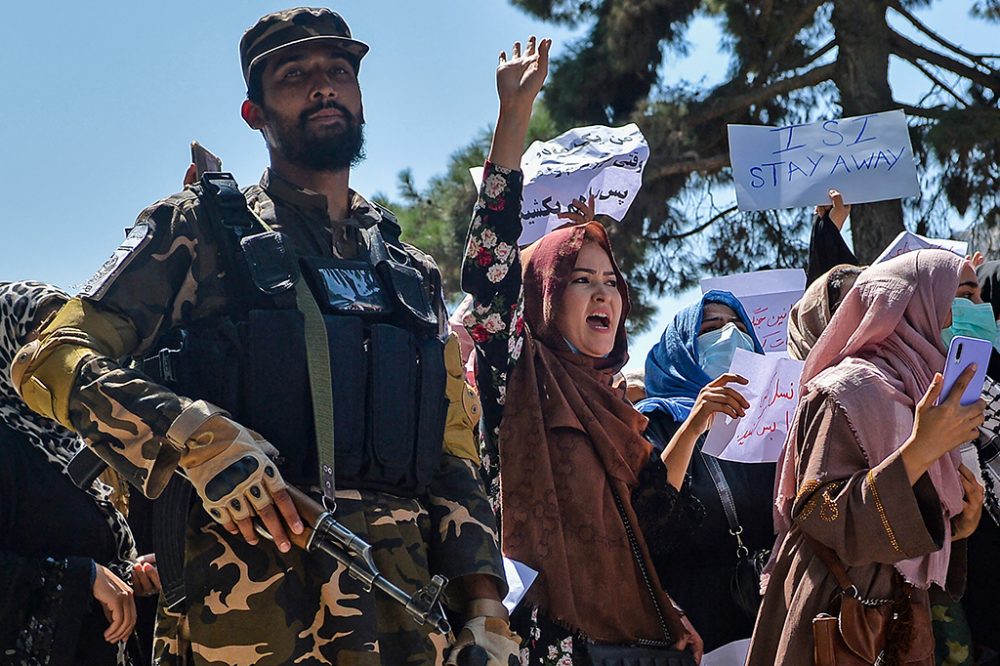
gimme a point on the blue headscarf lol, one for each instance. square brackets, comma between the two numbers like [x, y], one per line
[673, 376]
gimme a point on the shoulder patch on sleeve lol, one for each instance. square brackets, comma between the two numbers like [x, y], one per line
[97, 285]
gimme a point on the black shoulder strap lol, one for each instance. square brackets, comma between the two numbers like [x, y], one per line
[728, 502]
[231, 220]
[389, 225]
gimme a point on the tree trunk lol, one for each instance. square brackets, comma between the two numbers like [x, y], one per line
[862, 76]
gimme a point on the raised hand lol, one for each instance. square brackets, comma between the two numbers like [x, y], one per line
[520, 77]
[838, 210]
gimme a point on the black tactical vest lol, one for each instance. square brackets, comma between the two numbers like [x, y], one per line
[386, 355]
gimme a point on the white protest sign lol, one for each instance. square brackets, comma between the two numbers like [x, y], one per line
[907, 241]
[519, 578]
[773, 394]
[768, 297]
[867, 158]
[730, 654]
[604, 161]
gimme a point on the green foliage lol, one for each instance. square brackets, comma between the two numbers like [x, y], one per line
[787, 65]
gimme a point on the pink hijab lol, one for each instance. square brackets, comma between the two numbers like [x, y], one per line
[879, 353]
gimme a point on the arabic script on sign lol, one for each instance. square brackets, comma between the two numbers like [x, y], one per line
[773, 394]
[768, 297]
[606, 162]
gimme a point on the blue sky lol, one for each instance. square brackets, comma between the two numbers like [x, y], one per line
[100, 106]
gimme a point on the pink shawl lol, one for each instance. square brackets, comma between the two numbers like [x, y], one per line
[879, 355]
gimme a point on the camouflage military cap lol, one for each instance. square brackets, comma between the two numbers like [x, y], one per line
[295, 26]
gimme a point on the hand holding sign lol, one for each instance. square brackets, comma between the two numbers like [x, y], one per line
[605, 162]
[772, 394]
[717, 398]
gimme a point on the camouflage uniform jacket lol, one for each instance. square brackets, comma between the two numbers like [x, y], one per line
[253, 604]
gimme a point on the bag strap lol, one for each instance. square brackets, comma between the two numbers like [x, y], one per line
[832, 563]
[637, 555]
[728, 502]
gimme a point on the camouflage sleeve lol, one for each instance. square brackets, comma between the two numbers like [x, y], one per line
[463, 526]
[74, 371]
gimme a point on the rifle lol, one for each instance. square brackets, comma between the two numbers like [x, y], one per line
[323, 533]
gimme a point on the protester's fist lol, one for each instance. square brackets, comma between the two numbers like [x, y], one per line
[520, 77]
[939, 428]
[716, 397]
[965, 523]
[838, 210]
[116, 600]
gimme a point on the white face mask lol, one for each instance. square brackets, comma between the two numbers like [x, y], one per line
[716, 348]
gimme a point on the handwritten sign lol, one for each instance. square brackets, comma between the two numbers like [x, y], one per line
[908, 241]
[604, 161]
[768, 297]
[868, 158]
[773, 394]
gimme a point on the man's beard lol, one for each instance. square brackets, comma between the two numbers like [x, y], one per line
[330, 148]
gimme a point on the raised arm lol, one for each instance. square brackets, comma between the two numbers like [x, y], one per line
[492, 268]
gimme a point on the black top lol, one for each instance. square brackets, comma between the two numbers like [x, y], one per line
[827, 248]
[694, 554]
[50, 534]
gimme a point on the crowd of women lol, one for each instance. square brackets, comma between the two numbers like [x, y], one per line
[645, 544]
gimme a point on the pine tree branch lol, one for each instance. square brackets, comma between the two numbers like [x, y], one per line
[910, 51]
[954, 48]
[703, 165]
[800, 21]
[934, 113]
[660, 238]
[718, 108]
[938, 82]
[819, 53]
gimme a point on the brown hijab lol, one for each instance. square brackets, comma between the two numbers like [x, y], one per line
[811, 314]
[567, 440]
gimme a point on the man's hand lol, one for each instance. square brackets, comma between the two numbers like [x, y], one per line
[117, 602]
[838, 210]
[229, 467]
[145, 577]
[485, 641]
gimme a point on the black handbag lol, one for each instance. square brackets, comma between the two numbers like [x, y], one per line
[652, 653]
[745, 583]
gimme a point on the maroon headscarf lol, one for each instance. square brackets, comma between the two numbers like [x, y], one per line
[569, 443]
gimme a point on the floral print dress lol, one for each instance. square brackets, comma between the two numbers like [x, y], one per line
[491, 272]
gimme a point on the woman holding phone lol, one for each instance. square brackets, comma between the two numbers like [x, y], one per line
[871, 478]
